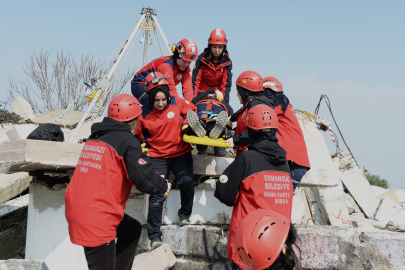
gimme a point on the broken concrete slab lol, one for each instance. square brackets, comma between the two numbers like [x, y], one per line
[322, 173]
[210, 165]
[352, 207]
[378, 190]
[23, 108]
[68, 120]
[358, 186]
[13, 205]
[23, 265]
[84, 130]
[161, 258]
[12, 185]
[351, 249]
[331, 203]
[389, 210]
[3, 134]
[359, 220]
[32, 155]
[62, 257]
[206, 208]
[400, 195]
[301, 214]
[20, 132]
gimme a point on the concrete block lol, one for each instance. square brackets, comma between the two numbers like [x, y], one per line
[210, 165]
[206, 208]
[32, 155]
[67, 256]
[12, 185]
[3, 134]
[13, 205]
[322, 173]
[390, 210]
[352, 207]
[358, 186]
[301, 214]
[161, 258]
[20, 132]
[378, 190]
[23, 108]
[68, 120]
[47, 227]
[331, 202]
[351, 248]
[23, 265]
[400, 195]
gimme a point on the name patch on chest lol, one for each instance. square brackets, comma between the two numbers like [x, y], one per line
[170, 115]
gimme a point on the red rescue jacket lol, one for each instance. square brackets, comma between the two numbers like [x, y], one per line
[257, 179]
[207, 74]
[174, 75]
[110, 163]
[162, 129]
[290, 136]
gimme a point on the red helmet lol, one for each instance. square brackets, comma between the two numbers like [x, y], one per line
[218, 36]
[187, 50]
[124, 107]
[155, 79]
[261, 117]
[250, 80]
[273, 84]
[259, 238]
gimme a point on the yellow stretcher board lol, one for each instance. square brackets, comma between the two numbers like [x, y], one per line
[220, 142]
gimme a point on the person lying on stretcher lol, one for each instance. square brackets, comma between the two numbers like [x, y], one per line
[211, 119]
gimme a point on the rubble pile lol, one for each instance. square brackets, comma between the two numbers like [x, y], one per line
[343, 222]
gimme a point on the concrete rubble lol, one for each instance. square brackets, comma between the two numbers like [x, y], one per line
[13, 205]
[12, 185]
[334, 193]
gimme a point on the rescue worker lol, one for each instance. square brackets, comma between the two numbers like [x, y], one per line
[211, 119]
[266, 240]
[160, 126]
[289, 133]
[250, 93]
[213, 69]
[110, 163]
[175, 68]
[258, 178]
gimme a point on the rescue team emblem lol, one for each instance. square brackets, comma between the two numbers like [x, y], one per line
[244, 81]
[179, 77]
[223, 179]
[170, 115]
[167, 75]
[141, 161]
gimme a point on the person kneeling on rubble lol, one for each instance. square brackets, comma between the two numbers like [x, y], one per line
[266, 240]
[110, 163]
[211, 119]
[250, 93]
[258, 178]
[160, 126]
[289, 132]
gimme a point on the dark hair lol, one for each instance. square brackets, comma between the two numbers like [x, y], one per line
[208, 56]
[289, 260]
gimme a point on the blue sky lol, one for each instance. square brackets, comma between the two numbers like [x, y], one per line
[352, 51]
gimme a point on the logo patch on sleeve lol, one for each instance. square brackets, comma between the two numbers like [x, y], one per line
[141, 161]
[223, 179]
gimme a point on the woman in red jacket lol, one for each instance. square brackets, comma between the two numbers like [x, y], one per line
[289, 133]
[175, 68]
[110, 163]
[213, 69]
[160, 125]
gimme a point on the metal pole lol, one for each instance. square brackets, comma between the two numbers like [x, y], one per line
[161, 33]
[145, 46]
[110, 73]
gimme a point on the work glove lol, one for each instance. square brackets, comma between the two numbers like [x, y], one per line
[144, 149]
[219, 95]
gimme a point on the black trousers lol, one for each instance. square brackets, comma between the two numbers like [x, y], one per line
[182, 168]
[120, 255]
